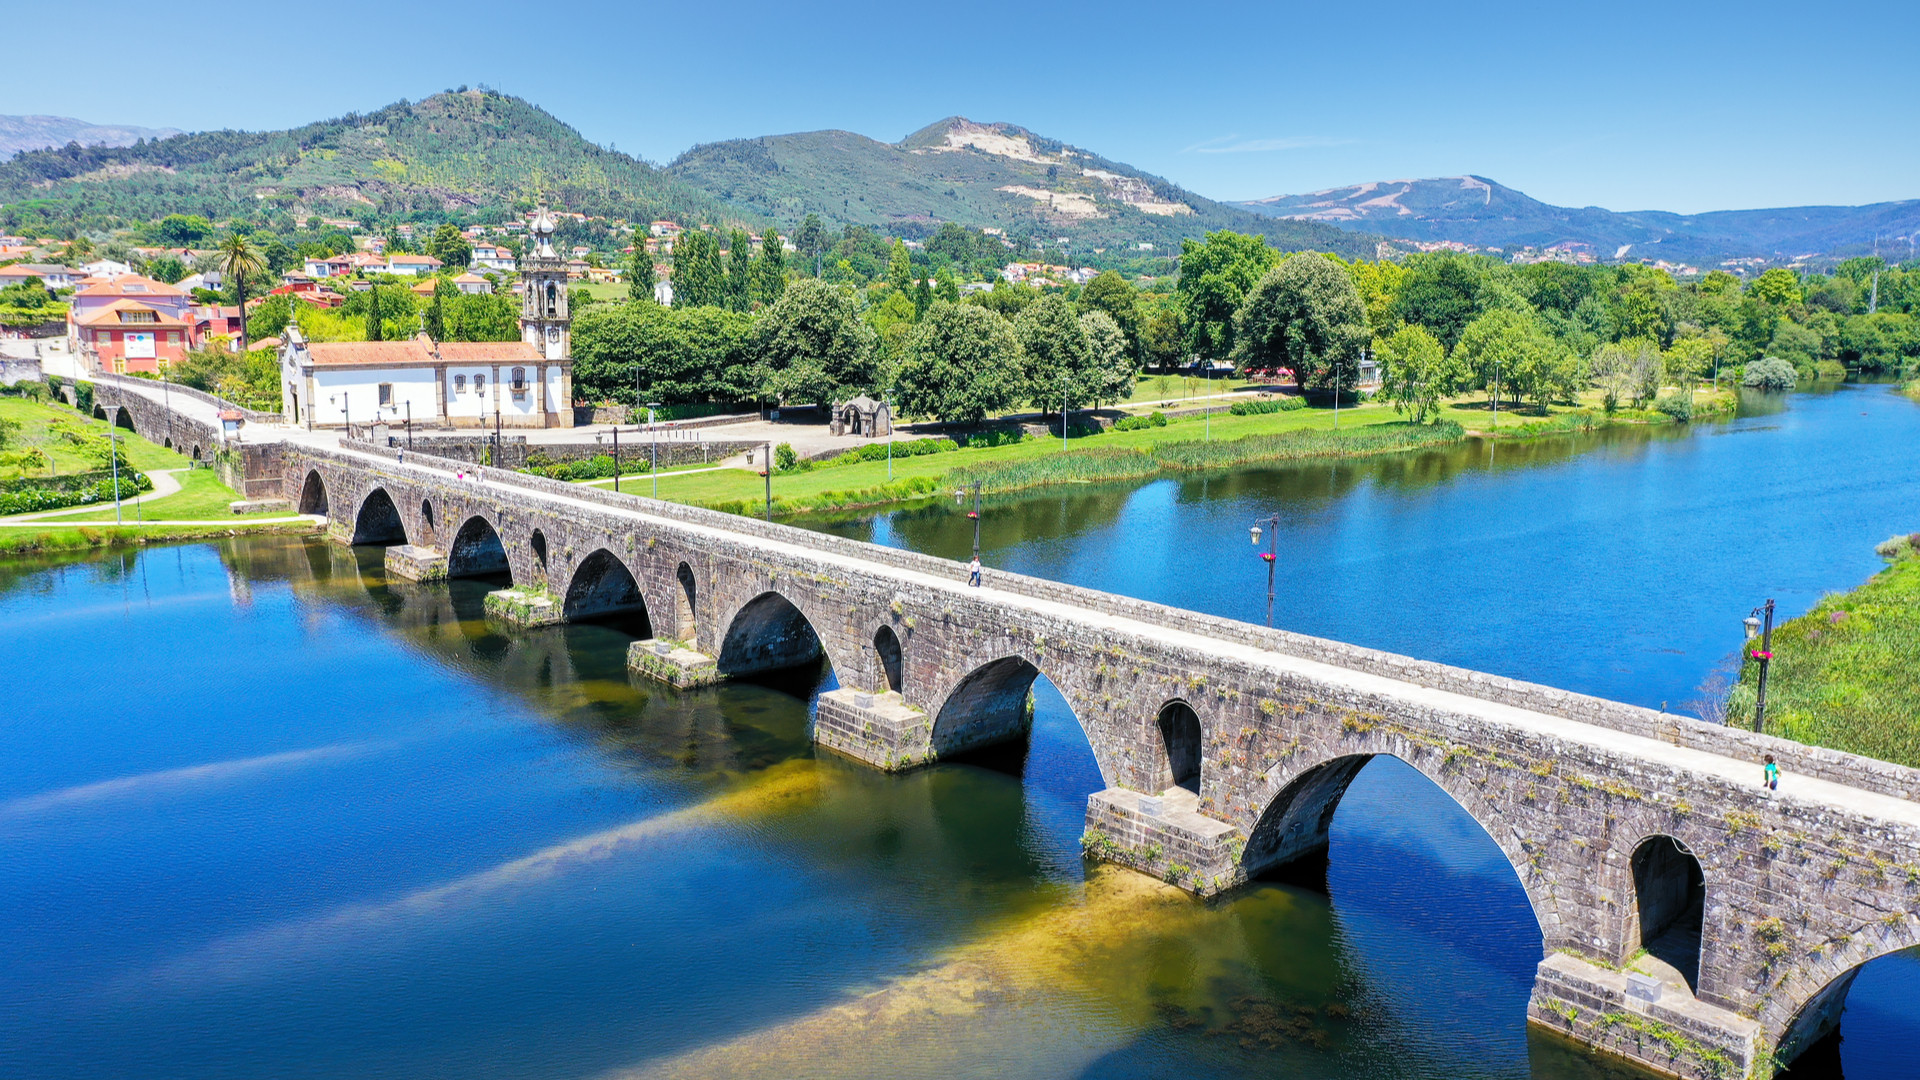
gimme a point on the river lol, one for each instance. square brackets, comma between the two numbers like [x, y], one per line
[269, 815]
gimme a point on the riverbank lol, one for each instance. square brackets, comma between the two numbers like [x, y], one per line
[1846, 675]
[56, 538]
[1184, 444]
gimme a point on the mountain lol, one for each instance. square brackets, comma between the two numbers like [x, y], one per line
[19, 134]
[982, 175]
[466, 150]
[1475, 210]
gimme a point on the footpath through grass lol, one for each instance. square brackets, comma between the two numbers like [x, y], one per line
[1846, 675]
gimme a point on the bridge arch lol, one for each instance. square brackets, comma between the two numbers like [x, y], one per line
[1670, 897]
[313, 494]
[1806, 1005]
[603, 585]
[476, 550]
[768, 633]
[378, 520]
[1294, 823]
[993, 703]
[1177, 763]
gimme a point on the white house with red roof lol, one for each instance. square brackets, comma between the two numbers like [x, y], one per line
[470, 384]
[492, 257]
[412, 265]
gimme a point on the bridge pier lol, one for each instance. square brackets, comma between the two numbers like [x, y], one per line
[881, 730]
[672, 663]
[1638, 1018]
[1165, 836]
[525, 608]
[416, 563]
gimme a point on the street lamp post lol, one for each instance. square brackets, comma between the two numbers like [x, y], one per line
[113, 451]
[766, 471]
[886, 398]
[974, 513]
[1759, 623]
[652, 405]
[1063, 410]
[409, 423]
[1270, 556]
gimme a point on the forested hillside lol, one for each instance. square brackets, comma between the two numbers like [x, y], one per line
[980, 175]
[462, 151]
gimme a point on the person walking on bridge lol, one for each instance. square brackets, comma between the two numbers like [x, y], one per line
[1770, 775]
[973, 572]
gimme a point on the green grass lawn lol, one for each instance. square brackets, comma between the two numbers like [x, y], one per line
[1847, 674]
[602, 290]
[201, 497]
[39, 422]
[741, 484]
[1176, 389]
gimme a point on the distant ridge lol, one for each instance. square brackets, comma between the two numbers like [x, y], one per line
[1478, 211]
[985, 175]
[19, 134]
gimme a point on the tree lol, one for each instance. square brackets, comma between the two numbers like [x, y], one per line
[239, 259]
[739, 271]
[182, 230]
[640, 272]
[697, 280]
[1770, 373]
[635, 353]
[480, 317]
[1511, 349]
[1688, 361]
[770, 270]
[437, 310]
[1115, 365]
[1378, 283]
[1161, 333]
[810, 241]
[1058, 360]
[1416, 371]
[1778, 286]
[813, 347]
[449, 246]
[1215, 275]
[959, 365]
[166, 268]
[1442, 293]
[900, 269]
[1109, 292]
[1628, 371]
[1306, 315]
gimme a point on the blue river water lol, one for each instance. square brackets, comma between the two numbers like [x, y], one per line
[268, 814]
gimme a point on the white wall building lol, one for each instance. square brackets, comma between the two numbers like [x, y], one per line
[462, 384]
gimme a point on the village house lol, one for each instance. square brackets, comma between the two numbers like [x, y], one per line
[128, 336]
[329, 267]
[51, 275]
[107, 269]
[473, 284]
[412, 265]
[492, 257]
[94, 297]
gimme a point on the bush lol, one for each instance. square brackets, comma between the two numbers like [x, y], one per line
[784, 458]
[57, 493]
[83, 398]
[1267, 405]
[905, 448]
[1830, 371]
[994, 437]
[1770, 373]
[1677, 404]
[598, 467]
[1139, 423]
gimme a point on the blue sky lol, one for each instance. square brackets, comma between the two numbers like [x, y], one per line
[1628, 105]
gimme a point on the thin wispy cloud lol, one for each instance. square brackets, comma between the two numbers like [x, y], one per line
[1234, 144]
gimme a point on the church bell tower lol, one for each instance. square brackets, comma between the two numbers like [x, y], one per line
[544, 322]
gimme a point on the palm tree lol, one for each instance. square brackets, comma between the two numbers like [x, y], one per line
[238, 256]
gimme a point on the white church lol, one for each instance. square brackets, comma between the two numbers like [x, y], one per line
[515, 384]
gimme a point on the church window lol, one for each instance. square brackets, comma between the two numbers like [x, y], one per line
[459, 384]
[479, 384]
[519, 380]
[386, 393]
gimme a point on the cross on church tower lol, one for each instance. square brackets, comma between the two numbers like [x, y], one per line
[544, 322]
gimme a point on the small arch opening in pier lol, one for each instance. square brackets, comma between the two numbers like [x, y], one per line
[539, 545]
[313, 494]
[196, 453]
[686, 605]
[378, 521]
[886, 648]
[169, 442]
[1180, 745]
[427, 525]
[1670, 893]
[603, 588]
[123, 418]
[476, 551]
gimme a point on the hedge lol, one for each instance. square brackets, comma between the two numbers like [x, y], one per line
[1267, 405]
[28, 497]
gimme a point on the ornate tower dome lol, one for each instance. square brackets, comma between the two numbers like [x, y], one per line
[544, 320]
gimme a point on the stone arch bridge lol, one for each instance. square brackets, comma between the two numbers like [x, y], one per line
[1224, 747]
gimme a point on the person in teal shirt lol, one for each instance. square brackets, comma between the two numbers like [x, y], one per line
[1771, 777]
